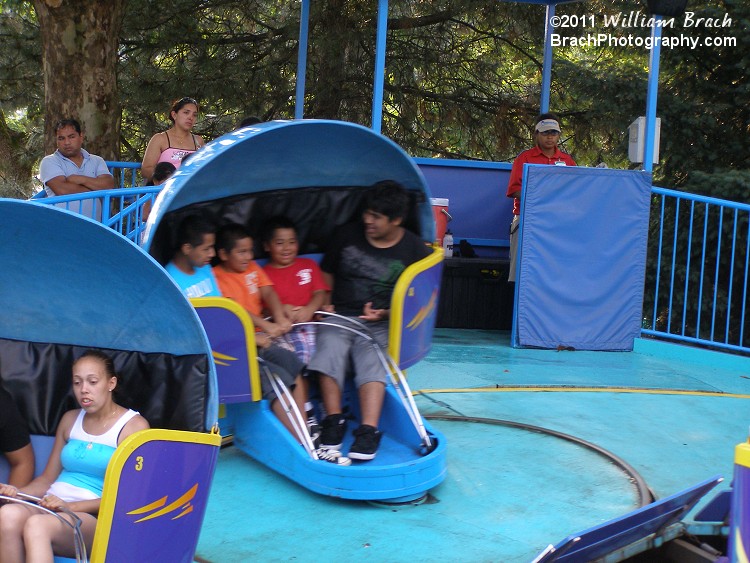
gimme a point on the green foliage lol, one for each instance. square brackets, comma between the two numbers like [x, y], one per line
[706, 117]
[729, 184]
[21, 98]
[702, 90]
[21, 83]
[459, 87]
[462, 77]
[462, 80]
[237, 58]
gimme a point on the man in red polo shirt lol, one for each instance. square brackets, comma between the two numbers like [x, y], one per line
[546, 135]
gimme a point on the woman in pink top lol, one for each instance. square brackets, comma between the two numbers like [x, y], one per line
[176, 142]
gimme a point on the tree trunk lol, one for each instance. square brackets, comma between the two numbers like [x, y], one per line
[79, 56]
[334, 59]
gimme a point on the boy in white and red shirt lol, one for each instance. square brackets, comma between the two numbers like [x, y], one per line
[298, 283]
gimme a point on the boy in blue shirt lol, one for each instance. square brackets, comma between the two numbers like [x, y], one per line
[191, 265]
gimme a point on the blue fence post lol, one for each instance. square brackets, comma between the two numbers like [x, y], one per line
[547, 61]
[378, 84]
[304, 23]
[651, 95]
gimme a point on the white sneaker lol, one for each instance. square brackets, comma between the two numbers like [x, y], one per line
[313, 428]
[332, 456]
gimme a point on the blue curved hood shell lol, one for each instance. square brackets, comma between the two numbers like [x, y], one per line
[289, 155]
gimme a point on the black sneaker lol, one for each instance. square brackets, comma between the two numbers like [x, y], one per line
[366, 442]
[332, 431]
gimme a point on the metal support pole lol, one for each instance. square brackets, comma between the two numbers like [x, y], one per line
[304, 22]
[377, 93]
[547, 61]
[651, 95]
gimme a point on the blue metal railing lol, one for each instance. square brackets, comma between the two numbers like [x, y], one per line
[696, 286]
[697, 273]
[123, 210]
[125, 173]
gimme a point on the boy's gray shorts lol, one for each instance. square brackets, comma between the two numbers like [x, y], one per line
[340, 352]
[283, 363]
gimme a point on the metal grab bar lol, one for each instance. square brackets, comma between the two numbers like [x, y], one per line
[389, 365]
[78, 541]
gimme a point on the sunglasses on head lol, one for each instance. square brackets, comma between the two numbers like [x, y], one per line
[187, 101]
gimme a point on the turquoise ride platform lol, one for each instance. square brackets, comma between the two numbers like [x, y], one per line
[400, 471]
[673, 413]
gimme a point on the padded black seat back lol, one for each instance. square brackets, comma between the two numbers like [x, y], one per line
[169, 391]
[316, 213]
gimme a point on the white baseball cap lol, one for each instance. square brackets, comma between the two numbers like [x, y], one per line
[545, 125]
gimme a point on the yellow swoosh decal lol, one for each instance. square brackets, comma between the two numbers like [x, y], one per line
[180, 502]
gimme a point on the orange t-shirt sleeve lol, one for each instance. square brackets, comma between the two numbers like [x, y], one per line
[225, 280]
[234, 286]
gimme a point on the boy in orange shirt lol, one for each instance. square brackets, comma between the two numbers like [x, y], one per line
[241, 279]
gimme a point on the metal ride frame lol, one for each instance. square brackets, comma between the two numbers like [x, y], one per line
[32, 501]
[389, 366]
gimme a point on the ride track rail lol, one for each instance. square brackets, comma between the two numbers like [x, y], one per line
[644, 494]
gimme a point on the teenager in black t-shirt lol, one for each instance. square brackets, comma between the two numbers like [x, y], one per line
[362, 266]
